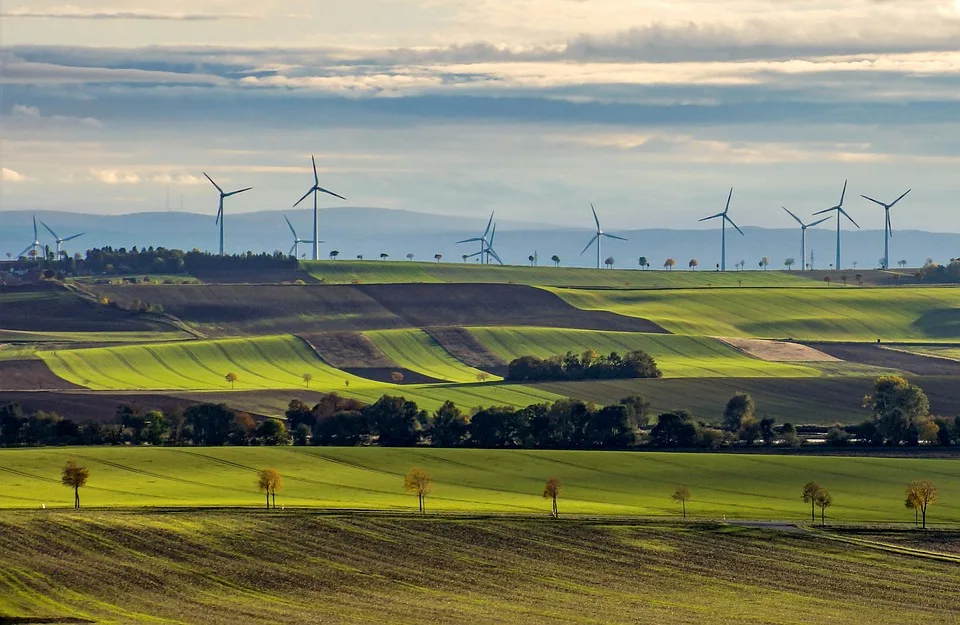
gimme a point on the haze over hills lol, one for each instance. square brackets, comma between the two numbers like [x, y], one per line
[372, 231]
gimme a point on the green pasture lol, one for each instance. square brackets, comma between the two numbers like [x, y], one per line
[835, 313]
[402, 271]
[416, 350]
[678, 356]
[939, 351]
[24, 336]
[597, 483]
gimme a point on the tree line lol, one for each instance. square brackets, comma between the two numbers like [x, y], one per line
[586, 366]
[161, 260]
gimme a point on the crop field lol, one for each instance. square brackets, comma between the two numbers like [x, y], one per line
[677, 356]
[418, 351]
[292, 567]
[842, 314]
[53, 309]
[400, 272]
[750, 486]
[950, 353]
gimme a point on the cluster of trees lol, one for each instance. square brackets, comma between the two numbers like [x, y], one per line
[161, 260]
[589, 365]
[941, 274]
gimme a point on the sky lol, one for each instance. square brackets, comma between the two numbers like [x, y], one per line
[649, 109]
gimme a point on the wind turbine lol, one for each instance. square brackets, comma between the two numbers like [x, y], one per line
[487, 248]
[840, 211]
[598, 237]
[60, 240]
[803, 236]
[483, 242]
[723, 230]
[316, 220]
[887, 229]
[295, 248]
[36, 242]
[219, 219]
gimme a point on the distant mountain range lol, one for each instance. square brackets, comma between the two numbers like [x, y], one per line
[372, 231]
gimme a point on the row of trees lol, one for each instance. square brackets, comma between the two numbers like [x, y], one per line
[589, 365]
[160, 260]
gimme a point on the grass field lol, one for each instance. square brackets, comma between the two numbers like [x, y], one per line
[952, 353]
[20, 336]
[398, 272]
[251, 567]
[677, 356]
[488, 481]
[843, 314]
[416, 350]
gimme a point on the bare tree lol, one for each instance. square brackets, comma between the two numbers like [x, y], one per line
[74, 476]
[270, 482]
[824, 500]
[418, 481]
[682, 496]
[810, 490]
[551, 491]
[924, 493]
[231, 378]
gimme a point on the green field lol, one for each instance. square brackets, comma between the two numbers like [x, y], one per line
[677, 356]
[842, 314]
[951, 353]
[416, 350]
[224, 568]
[22, 336]
[398, 272]
[488, 481]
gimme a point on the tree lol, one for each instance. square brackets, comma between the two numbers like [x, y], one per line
[270, 482]
[384, 256]
[409, 255]
[609, 262]
[823, 500]
[418, 482]
[464, 257]
[551, 491]
[789, 263]
[902, 264]
[859, 279]
[669, 263]
[449, 427]
[827, 280]
[900, 410]
[913, 504]
[334, 254]
[682, 496]
[644, 263]
[843, 278]
[764, 262]
[359, 256]
[738, 408]
[693, 264]
[397, 377]
[674, 429]
[231, 378]
[923, 493]
[788, 434]
[437, 257]
[743, 264]
[75, 476]
[532, 259]
[556, 260]
[810, 491]
[482, 376]
[306, 379]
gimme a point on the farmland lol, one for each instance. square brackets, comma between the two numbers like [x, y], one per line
[841, 314]
[251, 567]
[418, 351]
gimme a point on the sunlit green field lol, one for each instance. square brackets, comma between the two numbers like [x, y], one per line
[416, 350]
[735, 486]
[836, 313]
[952, 353]
[678, 356]
[393, 272]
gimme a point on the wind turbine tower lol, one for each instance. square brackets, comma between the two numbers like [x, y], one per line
[598, 237]
[840, 212]
[316, 188]
[295, 248]
[724, 218]
[223, 195]
[60, 240]
[485, 244]
[803, 236]
[887, 228]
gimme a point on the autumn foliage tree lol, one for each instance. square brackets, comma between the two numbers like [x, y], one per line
[75, 476]
[231, 378]
[418, 482]
[822, 500]
[921, 494]
[682, 496]
[810, 491]
[551, 491]
[269, 483]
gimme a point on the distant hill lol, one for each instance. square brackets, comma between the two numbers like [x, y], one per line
[371, 231]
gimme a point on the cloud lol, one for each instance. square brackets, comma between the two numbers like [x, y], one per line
[9, 175]
[30, 115]
[16, 70]
[75, 13]
[115, 176]
[177, 179]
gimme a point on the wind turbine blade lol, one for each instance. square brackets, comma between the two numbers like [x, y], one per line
[213, 183]
[494, 254]
[49, 230]
[316, 179]
[849, 217]
[711, 217]
[889, 225]
[900, 198]
[843, 193]
[873, 200]
[36, 237]
[473, 240]
[729, 197]
[25, 250]
[792, 215]
[292, 247]
[236, 192]
[826, 210]
[72, 238]
[475, 254]
[595, 237]
[330, 193]
[818, 222]
[305, 196]
[595, 218]
[493, 233]
[734, 225]
[219, 212]
[290, 225]
[489, 223]
[613, 236]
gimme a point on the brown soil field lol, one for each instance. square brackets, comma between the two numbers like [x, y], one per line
[30, 375]
[877, 356]
[221, 310]
[465, 347]
[90, 407]
[256, 276]
[348, 350]
[778, 351]
[385, 374]
[51, 308]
